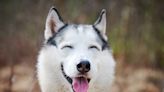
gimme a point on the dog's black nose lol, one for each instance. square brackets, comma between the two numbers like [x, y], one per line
[83, 67]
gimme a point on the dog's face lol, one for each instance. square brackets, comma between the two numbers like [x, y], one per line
[80, 47]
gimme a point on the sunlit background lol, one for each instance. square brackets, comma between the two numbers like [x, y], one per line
[135, 29]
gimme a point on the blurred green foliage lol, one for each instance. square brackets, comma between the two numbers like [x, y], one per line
[135, 27]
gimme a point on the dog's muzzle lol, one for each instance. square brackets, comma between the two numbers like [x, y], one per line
[80, 83]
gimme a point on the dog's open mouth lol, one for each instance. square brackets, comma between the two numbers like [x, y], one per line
[79, 83]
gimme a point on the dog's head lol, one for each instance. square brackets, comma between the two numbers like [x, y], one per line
[82, 48]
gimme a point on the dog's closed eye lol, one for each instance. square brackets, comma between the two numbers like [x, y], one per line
[93, 47]
[67, 47]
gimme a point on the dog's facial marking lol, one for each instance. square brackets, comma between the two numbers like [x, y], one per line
[105, 43]
[51, 40]
[55, 24]
[100, 38]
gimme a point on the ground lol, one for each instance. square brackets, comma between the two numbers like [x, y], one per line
[128, 79]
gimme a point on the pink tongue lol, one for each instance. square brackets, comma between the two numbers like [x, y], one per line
[80, 84]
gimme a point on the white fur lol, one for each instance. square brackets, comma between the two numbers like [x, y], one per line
[50, 58]
[49, 73]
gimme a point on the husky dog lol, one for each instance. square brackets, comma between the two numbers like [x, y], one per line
[75, 57]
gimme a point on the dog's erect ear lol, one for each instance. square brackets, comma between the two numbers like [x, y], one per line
[100, 24]
[53, 23]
